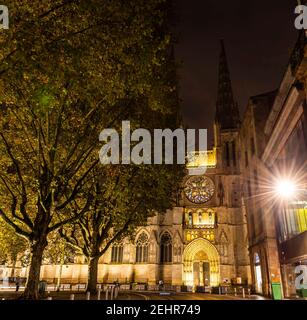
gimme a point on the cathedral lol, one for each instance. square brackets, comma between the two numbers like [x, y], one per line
[202, 242]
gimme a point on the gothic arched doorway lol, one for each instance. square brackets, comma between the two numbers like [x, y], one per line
[201, 266]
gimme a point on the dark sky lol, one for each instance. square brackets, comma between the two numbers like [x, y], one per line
[259, 36]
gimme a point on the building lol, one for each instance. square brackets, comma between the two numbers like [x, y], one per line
[285, 156]
[263, 250]
[200, 243]
[231, 225]
[273, 139]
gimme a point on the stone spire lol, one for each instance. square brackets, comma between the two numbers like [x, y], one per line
[227, 112]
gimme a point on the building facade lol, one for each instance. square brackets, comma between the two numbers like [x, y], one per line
[203, 241]
[285, 155]
[263, 248]
[229, 226]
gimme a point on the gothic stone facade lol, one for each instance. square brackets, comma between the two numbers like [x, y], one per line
[201, 242]
[194, 244]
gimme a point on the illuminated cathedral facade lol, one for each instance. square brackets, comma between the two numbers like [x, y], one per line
[200, 243]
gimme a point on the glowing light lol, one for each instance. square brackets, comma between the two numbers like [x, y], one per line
[286, 188]
[205, 159]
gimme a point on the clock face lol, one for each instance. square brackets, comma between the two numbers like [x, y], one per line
[199, 189]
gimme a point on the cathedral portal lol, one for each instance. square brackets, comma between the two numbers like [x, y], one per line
[201, 264]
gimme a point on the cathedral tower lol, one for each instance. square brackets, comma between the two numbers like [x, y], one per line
[227, 118]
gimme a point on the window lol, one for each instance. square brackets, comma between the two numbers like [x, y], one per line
[227, 154]
[211, 221]
[166, 249]
[117, 253]
[234, 153]
[142, 248]
[295, 151]
[190, 219]
[293, 220]
[199, 189]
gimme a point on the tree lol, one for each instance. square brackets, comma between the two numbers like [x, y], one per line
[11, 245]
[123, 199]
[58, 252]
[67, 70]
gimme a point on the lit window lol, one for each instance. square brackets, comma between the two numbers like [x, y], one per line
[190, 219]
[188, 236]
[142, 248]
[117, 253]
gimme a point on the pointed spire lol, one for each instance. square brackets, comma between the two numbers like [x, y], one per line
[227, 112]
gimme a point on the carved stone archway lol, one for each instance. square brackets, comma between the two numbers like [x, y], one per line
[189, 256]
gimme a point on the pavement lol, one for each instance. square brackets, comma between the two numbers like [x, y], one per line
[135, 295]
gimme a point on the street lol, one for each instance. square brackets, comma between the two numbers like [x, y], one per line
[133, 295]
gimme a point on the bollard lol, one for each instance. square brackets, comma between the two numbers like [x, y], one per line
[88, 296]
[235, 289]
[112, 292]
[49, 298]
[243, 292]
[72, 297]
[98, 294]
[116, 290]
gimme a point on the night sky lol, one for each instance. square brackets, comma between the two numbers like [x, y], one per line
[259, 36]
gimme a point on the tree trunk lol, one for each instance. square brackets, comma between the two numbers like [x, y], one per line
[37, 250]
[92, 275]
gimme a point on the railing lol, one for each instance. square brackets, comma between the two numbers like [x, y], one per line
[200, 226]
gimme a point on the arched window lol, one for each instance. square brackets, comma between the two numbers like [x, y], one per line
[142, 248]
[188, 236]
[117, 253]
[190, 219]
[166, 249]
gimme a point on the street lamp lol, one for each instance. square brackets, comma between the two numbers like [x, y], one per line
[285, 188]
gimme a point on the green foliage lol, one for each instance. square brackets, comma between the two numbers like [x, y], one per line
[12, 246]
[58, 251]
[69, 69]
